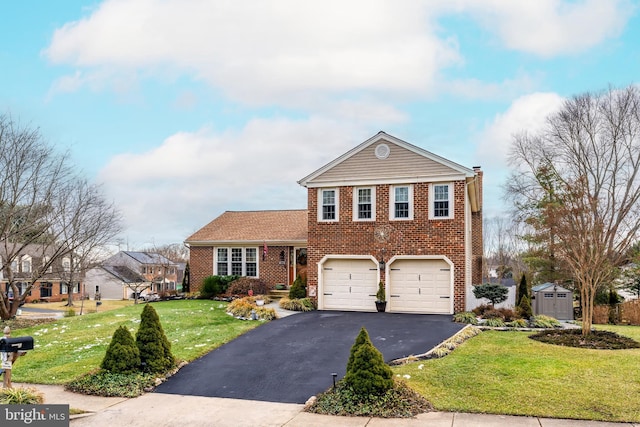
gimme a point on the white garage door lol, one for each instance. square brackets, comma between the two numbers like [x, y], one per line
[349, 284]
[420, 286]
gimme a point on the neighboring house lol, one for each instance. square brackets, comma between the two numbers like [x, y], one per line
[384, 211]
[270, 245]
[153, 267]
[115, 282]
[52, 284]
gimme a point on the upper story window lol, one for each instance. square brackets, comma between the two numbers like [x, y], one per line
[328, 204]
[47, 260]
[66, 265]
[364, 208]
[14, 265]
[26, 264]
[236, 261]
[441, 201]
[401, 201]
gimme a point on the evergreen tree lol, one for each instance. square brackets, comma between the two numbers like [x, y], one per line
[523, 290]
[186, 279]
[524, 308]
[155, 348]
[122, 355]
[367, 374]
[492, 291]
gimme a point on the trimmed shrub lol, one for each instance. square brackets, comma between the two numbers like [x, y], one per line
[155, 348]
[242, 285]
[494, 292]
[367, 374]
[298, 289]
[466, 317]
[524, 308]
[479, 310]
[122, 355]
[523, 290]
[215, 285]
[493, 314]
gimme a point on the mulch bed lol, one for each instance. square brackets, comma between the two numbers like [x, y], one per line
[597, 340]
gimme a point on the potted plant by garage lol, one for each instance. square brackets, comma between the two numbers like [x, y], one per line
[381, 298]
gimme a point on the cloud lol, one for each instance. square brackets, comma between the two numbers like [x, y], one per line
[550, 27]
[178, 187]
[286, 52]
[529, 112]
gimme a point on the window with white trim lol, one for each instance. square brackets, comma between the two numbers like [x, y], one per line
[441, 201]
[401, 202]
[364, 206]
[66, 265]
[328, 201]
[236, 261]
[26, 264]
[222, 263]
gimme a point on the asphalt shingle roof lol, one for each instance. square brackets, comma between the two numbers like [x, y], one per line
[256, 226]
[125, 274]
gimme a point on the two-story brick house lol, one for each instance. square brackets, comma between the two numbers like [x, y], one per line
[50, 276]
[390, 211]
[384, 211]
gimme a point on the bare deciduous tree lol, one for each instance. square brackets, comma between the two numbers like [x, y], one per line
[45, 212]
[577, 182]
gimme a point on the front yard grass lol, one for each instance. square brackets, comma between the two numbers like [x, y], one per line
[509, 373]
[73, 346]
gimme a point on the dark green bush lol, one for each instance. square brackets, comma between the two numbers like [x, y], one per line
[155, 348]
[367, 374]
[122, 355]
[524, 308]
[298, 289]
[215, 285]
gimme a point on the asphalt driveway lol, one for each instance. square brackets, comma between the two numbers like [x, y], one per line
[291, 359]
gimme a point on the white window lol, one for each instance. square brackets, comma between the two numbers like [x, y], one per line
[222, 262]
[26, 264]
[441, 201]
[364, 205]
[236, 261]
[14, 265]
[66, 264]
[45, 261]
[328, 202]
[401, 202]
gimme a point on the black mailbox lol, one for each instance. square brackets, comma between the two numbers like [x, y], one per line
[13, 345]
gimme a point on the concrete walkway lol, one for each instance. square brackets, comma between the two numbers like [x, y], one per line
[158, 410]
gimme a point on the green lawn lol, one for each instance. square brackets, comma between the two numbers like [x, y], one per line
[70, 347]
[508, 373]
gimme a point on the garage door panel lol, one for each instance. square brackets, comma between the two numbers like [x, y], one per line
[420, 286]
[349, 284]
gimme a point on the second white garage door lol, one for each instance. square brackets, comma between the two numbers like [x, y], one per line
[349, 284]
[420, 286]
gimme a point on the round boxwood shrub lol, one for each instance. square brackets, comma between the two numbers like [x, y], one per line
[367, 374]
[155, 348]
[122, 354]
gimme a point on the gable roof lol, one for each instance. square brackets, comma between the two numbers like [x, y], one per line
[148, 257]
[401, 162]
[124, 274]
[258, 227]
[549, 287]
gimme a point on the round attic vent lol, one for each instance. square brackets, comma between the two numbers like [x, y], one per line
[382, 151]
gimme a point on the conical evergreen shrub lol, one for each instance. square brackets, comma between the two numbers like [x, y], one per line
[122, 355]
[367, 374]
[524, 308]
[155, 348]
[523, 289]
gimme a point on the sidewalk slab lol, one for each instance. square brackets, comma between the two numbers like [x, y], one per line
[487, 420]
[431, 419]
[553, 422]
